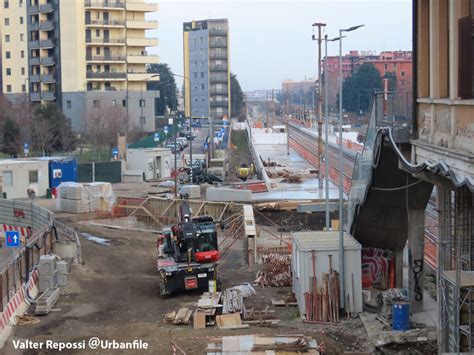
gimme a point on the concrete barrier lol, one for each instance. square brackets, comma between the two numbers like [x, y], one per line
[228, 195]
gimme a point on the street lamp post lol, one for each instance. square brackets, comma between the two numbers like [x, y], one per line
[341, 184]
[190, 122]
[326, 128]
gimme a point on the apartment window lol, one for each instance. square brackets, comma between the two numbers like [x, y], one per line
[466, 57]
[7, 38]
[202, 74]
[33, 176]
[202, 87]
[97, 33]
[202, 99]
[97, 51]
[114, 103]
[22, 36]
[195, 74]
[124, 103]
[201, 39]
[7, 178]
[21, 3]
[7, 21]
[22, 54]
[385, 66]
[142, 102]
[195, 63]
[402, 73]
[7, 55]
[195, 99]
[194, 40]
[21, 20]
[9, 71]
[23, 87]
[96, 103]
[68, 104]
[9, 88]
[22, 71]
[6, 5]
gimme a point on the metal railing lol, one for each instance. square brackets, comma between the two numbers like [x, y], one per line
[90, 22]
[222, 91]
[46, 25]
[218, 79]
[48, 95]
[105, 3]
[218, 67]
[214, 55]
[214, 103]
[34, 44]
[216, 44]
[47, 61]
[110, 58]
[48, 78]
[106, 75]
[35, 60]
[103, 40]
[393, 108]
[46, 8]
[217, 32]
[46, 43]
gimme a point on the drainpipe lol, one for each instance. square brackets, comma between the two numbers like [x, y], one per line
[415, 69]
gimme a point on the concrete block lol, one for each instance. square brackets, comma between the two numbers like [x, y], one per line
[66, 250]
[62, 267]
[62, 280]
[46, 282]
[228, 195]
[47, 265]
[132, 176]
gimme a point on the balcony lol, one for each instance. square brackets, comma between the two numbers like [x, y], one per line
[47, 61]
[34, 26]
[107, 58]
[213, 55]
[219, 103]
[215, 91]
[105, 75]
[46, 8]
[217, 44]
[48, 95]
[105, 41]
[33, 9]
[216, 32]
[105, 4]
[35, 96]
[105, 23]
[48, 78]
[34, 78]
[143, 59]
[142, 42]
[46, 25]
[141, 76]
[218, 79]
[34, 61]
[141, 7]
[218, 67]
[142, 25]
[33, 45]
[47, 43]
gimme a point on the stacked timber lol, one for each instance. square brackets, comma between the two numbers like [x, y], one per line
[276, 271]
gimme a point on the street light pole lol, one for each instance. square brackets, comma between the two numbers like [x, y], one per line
[341, 166]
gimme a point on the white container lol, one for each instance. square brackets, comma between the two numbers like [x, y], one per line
[325, 243]
[62, 280]
[62, 267]
[193, 191]
[46, 282]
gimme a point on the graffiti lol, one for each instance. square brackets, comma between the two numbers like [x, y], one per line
[375, 266]
[417, 275]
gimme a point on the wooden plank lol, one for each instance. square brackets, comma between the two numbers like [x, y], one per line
[228, 320]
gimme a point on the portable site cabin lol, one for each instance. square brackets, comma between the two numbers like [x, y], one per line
[61, 169]
[325, 243]
[154, 163]
[19, 175]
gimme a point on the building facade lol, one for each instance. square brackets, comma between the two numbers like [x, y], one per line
[81, 54]
[206, 68]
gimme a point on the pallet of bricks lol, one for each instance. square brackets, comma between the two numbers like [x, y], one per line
[83, 198]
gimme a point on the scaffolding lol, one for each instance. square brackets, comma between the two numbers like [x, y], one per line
[455, 271]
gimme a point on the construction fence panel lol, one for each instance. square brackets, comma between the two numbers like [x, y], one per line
[85, 172]
[109, 171]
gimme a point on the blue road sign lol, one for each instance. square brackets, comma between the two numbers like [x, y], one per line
[26, 146]
[156, 137]
[13, 239]
[219, 134]
[115, 151]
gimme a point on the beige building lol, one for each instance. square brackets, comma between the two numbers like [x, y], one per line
[83, 54]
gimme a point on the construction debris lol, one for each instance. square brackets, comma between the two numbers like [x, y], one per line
[250, 344]
[26, 319]
[47, 300]
[183, 316]
[276, 271]
[389, 297]
[261, 317]
[230, 321]
[287, 302]
[232, 301]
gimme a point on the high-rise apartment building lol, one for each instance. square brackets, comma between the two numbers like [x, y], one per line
[81, 54]
[206, 68]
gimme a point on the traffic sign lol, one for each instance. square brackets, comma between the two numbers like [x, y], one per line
[219, 134]
[165, 129]
[156, 137]
[115, 152]
[26, 148]
[13, 239]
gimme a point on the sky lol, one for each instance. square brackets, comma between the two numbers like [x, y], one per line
[270, 41]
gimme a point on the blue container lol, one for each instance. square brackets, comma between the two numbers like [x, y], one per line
[401, 316]
[61, 169]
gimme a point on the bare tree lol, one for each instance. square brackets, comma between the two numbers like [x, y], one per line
[42, 133]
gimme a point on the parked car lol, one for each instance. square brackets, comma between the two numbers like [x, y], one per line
[196, 124]
[183, 141]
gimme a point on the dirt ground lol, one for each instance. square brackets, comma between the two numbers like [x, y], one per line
[114, 296]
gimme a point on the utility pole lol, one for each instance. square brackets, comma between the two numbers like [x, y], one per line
[273, 107]
[320, 108]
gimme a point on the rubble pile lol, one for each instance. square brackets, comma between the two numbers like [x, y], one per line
[276, 271]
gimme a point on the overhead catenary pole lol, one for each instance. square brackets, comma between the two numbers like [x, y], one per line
[326, 133]
[320, 109]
